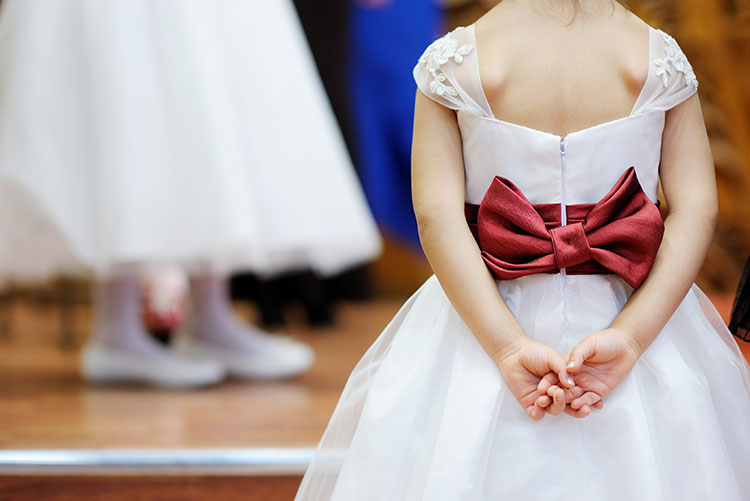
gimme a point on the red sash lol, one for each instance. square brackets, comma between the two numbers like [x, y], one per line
[619, 234]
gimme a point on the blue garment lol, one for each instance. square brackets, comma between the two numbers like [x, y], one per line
[386, 43]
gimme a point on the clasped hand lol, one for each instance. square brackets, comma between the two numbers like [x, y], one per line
[544, 381]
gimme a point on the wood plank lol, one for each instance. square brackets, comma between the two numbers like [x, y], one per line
[151, 488]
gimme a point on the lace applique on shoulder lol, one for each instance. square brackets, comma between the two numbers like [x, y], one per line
[439, 53]
[674, 59]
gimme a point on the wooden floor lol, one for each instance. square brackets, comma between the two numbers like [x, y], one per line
[148, 488]
[44, 403]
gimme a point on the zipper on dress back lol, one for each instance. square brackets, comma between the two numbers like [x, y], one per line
[563, 198]
[563, 165]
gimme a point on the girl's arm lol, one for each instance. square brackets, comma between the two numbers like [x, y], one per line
[603, 359]
[438, 192]
[689, 185]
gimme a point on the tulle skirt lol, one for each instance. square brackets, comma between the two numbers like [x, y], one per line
[180, 131]
[426, 415]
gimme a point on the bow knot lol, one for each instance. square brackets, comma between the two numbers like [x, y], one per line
[570, 245]
[619, 234]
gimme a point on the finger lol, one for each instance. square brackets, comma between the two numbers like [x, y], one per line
[548, 380]
[573, 393]
[588, 398]
[566, 379]
[535, 412]
[557, 363]
[582, 351]
[543, 401]
[578, 413]
[552, 391]
[558, 403]
[598, 405]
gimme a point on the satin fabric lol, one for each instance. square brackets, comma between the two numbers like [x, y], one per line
[619, 234]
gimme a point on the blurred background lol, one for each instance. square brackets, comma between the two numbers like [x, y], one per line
[250, 438]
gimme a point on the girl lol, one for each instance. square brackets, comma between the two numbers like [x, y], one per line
[547, 126]
[136, 133]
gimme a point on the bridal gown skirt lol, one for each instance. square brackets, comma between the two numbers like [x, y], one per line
[426, 415]
[185, 131]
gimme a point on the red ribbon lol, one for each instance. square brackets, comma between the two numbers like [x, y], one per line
[620, 234]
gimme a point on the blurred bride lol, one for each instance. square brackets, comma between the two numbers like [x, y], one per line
[136, 133]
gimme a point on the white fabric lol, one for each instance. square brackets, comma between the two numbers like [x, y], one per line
[173, 131]
[426, 415]
[527, 153]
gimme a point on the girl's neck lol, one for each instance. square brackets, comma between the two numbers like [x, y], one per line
[567, 12]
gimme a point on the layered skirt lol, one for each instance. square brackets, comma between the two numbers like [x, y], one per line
[185, 131]
[426, 415]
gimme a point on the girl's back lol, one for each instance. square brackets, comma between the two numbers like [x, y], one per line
[561, 69]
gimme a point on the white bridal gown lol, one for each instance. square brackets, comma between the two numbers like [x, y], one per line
[426, 415]
[179, 131]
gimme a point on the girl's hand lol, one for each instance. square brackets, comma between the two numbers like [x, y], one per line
[555, 398]
[600, 362]
[523, 364]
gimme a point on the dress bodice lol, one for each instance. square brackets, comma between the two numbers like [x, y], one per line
[576, 169]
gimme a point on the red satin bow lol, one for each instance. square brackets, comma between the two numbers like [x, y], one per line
[620, 234]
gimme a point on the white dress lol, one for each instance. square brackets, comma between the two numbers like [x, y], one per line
[426, 415]
[177, 131]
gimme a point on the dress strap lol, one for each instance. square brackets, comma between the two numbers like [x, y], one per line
[670, 80]
[447, 72]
